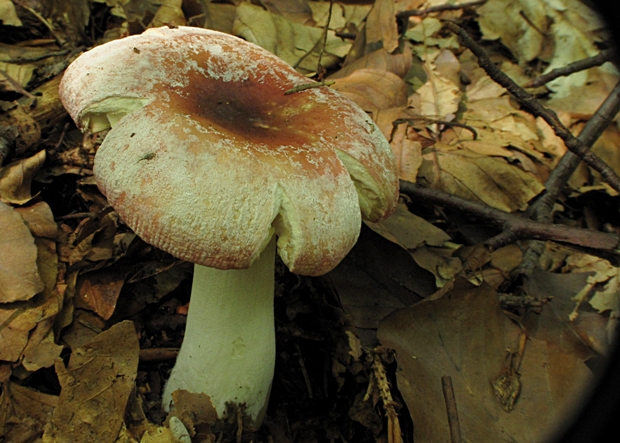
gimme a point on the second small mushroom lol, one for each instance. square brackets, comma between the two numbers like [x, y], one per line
[209, 160]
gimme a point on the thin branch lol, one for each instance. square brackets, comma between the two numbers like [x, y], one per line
[530, 103]
[451, 409]
[516, 227]
[580, 65]
[542, 207]
[438, 8]
[540, 210]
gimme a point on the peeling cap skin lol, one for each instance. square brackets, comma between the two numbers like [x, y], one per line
[207, 155]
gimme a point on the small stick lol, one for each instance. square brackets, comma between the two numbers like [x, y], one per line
[515, 227]
[438, 8]
[530, 103]
[305, 86]
[580, 65]
[304, 372]
[453, 416]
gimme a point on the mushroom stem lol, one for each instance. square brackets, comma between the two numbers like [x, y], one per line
[228, 351]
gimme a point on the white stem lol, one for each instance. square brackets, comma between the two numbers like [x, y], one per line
[228, 351]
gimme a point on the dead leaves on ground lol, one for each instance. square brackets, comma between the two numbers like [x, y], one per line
[450, 127]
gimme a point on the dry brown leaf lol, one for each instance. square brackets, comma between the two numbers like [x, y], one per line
[381, 60]
[168, 13]
[98, 291]
[465, 335]
[448, 66]
[408, 230]
[381, 26]
[320, 14]
[96, 387]
[296, 44]
[439, 262]
[407, 152]
[8, 14]
[39, 219]
[554, 324]
[41, 350]
[18, 324]
[437, 99]
[195, 411]
[19, 276]
[490, 180]
[158, 434]
[297, 11]
[376, 278]
[16, 177]
[373, 90]
[503, 19]
[24, 412]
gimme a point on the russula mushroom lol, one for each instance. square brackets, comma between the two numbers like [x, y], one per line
[208, 159]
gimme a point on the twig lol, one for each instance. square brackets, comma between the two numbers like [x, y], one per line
[319, 68]
[410, 120]
[453, 416]
[305, 86]
[438, 8]
[515, 227]
[581, 65]
[158, 354]
[304, 372]
[542, 207]
[35, 58]
[19, 88]
[530, 103]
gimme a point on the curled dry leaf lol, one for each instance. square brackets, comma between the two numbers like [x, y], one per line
[407, 152]
[99, 291]
[373, 90]
[19, 277]
[381, 60]
[16, 177]
[408, 230]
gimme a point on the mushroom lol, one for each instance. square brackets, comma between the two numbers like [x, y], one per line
[209, 159]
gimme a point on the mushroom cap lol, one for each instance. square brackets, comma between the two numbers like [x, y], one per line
[208, 157]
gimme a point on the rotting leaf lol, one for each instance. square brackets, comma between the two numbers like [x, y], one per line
[96, 386]
[376, 278]
[465, 335]
[19, 276]
[24, 412]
